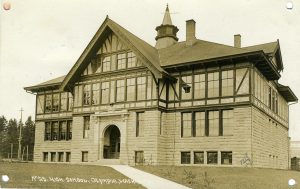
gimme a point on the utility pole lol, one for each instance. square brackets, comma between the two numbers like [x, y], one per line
[20, 136]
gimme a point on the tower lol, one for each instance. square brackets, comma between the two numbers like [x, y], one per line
[166, 32]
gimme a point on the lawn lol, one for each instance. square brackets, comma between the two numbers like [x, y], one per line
[39, 175]
[225, 177]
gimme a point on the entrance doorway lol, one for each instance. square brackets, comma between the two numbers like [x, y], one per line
[111, 147]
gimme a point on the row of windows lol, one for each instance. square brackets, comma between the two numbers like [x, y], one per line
[116, 61]
[212, 157]
[58, 130]
[270, 97]
[215, 84]
[130, 89]
[54, 102]
[207, 123]
[57, 156]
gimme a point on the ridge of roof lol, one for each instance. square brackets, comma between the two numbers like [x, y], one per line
[266, 47]
[200, 50]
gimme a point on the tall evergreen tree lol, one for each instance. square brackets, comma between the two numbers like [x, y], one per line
[28, 137]
[3, 129]
[12, 137]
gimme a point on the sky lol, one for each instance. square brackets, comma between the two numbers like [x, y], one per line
[42, 39]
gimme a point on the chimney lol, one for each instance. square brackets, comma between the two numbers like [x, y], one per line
[190, 32]
[237, 41]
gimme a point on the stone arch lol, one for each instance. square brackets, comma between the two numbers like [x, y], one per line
[112, 142]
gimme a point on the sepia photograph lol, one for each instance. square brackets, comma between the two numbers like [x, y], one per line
[150, 94]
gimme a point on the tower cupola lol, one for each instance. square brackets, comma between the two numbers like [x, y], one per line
[166, 32]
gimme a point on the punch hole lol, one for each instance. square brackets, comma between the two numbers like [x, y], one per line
[5, 178]
[6, 6]
[289, 5]
[292, 182]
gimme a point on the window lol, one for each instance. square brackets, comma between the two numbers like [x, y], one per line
[139, 157]
[212, 157]
[86, 126]
[40, 104]
[140, 122]
[121, 61]
[227, 83]
[85, 156]
[87, 95]
[186, 125]
[62, 130]
[45, 156]
[106, 64]
[198, 157]
[200, 123]
[213, 122]
[187, 80]
[70, 102]
[68, 156]
[58, 130]
[53, 156]
[226, 158]
[213, 84]
[131, 89]
[227, 122]
[105, 93]
[48, 104]
[69, 130]
[47, 131]
[185, 157]
[242, 81]
[131, 60]
[60, 156]
[95, 93]
[63, 101]
[55, 101]
[120, 90]
[54, 131]
[141, 88]
[199, 82]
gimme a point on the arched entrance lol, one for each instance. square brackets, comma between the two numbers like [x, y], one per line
[111, 147]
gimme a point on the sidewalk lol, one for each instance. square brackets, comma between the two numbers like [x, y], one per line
[146, 179]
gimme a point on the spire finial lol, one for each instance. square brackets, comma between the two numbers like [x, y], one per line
[167, 18]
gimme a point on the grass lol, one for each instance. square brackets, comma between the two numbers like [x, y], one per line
[225, 177]
[39, 175]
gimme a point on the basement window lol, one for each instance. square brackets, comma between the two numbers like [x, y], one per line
[139, 157]
[68, 156]
[45, 156]
[226, 158]
[53, 156]
[60, 156]
[198, 157]
[185, 157]
[212, 157]
[85, 156]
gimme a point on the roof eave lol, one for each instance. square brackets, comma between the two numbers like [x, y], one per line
[39, 88]
[269, 69]
[287, 93]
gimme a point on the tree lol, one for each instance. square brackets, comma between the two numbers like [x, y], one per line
[3, 128]
[28, 136]
[12, 137]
